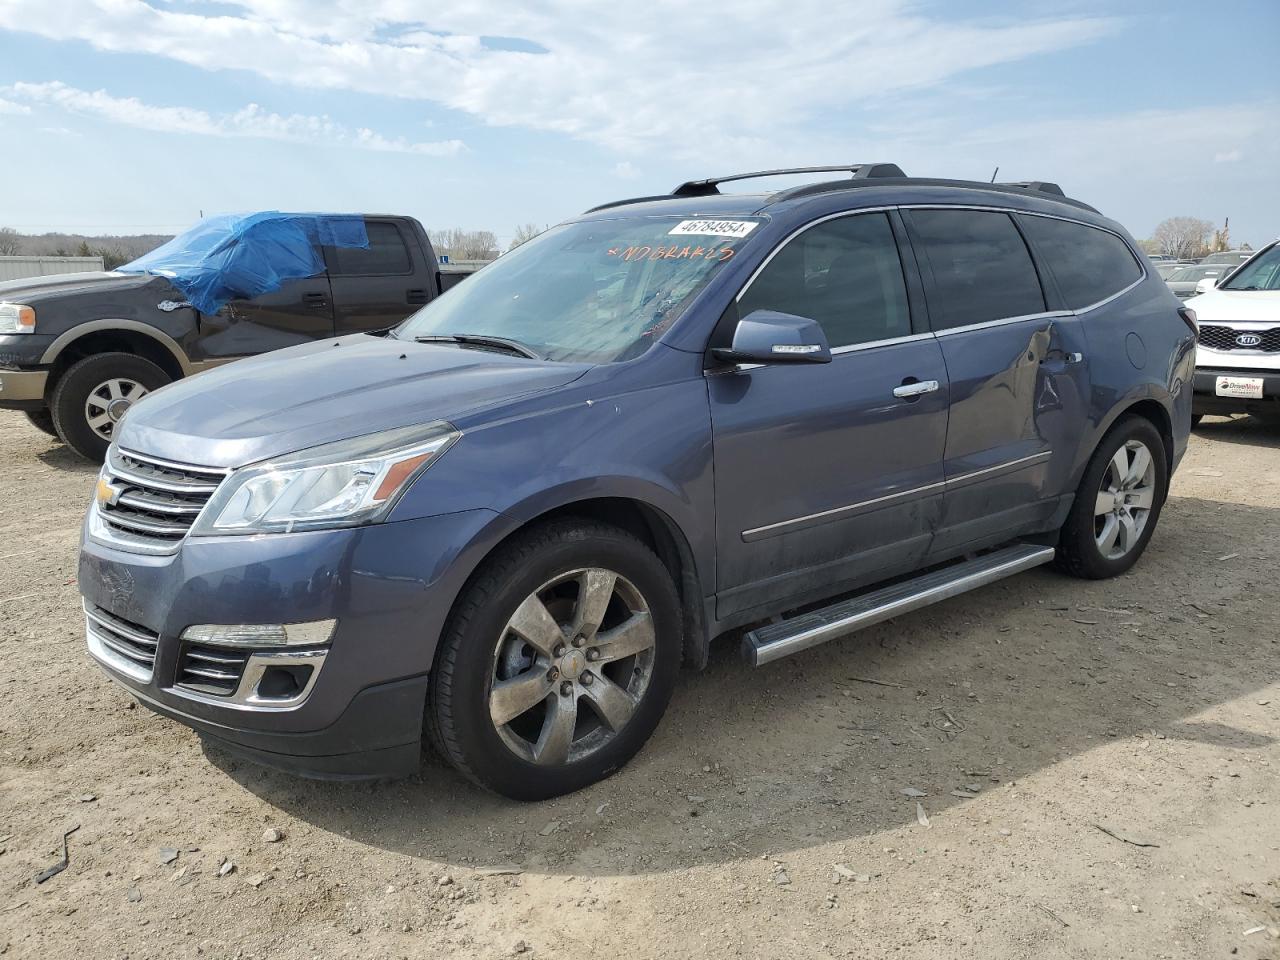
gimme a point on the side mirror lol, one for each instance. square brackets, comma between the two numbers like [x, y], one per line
[766, 336]
[1207, 284]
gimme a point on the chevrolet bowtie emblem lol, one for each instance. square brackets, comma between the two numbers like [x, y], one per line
[107, 494]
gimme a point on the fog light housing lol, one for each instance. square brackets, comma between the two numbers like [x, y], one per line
[310, 634]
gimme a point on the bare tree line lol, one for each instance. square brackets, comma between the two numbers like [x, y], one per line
[1189, 238]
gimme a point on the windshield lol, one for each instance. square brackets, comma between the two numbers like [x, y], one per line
[596, 292]
[1261, 273]
[1199, 272]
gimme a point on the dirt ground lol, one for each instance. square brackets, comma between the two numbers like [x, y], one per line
[1113, 745]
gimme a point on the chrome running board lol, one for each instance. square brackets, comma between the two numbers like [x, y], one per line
[776, 640]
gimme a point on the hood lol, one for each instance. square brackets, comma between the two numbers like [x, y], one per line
[300, 397]
[34, 289]
[1237, 306]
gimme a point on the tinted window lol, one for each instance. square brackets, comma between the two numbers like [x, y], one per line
[845, 274]
[386, 254]
[1089, 265]
[981, 268]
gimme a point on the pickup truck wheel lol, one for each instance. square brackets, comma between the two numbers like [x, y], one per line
[42, 420]
[558, 661]
[94, 393]
[1117, 503]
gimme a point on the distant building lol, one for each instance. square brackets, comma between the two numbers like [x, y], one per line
[16, 268]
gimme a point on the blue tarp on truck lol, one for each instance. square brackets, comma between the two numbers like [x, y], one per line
[242, 256]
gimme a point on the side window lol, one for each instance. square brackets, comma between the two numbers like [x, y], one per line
[981, 268]
[845, 274]
[387, 254]
[1088, 264]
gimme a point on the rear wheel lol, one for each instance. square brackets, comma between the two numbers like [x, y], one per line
[93, 395]
[558, 661]
[1117, 504]
[42, 420]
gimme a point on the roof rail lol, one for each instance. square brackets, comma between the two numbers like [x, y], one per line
[860, 171]
[1040, 186]
[623, 203]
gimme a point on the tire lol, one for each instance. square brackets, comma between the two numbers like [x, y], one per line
[1085, 547]
[42, 420]
[94, 377]
[480, 653]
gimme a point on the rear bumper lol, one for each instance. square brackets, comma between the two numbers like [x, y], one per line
[22, 389]
[1207, 401]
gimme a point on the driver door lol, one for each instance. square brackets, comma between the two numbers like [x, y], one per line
[830, 474]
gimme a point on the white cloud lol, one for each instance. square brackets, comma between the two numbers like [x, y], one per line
[249, 121]
[681, 75]
[8, 106]
[1226, 156]
[625, 170]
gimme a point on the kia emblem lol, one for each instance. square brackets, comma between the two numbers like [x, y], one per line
[1248, 340]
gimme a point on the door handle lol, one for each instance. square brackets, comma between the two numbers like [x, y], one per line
[1072, 357]
[915, 388]
[415, 297]
[317, 300]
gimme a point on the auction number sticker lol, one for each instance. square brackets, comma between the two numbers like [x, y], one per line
[713, 228]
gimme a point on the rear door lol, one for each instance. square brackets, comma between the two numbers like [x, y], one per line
[376, 288]
[829, 473]
[1019, 387]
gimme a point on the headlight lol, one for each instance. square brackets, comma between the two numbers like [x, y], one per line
[17, 318]
[335, 485]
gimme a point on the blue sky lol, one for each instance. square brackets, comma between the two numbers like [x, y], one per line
[124, 116]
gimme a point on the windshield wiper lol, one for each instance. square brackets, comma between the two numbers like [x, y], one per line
[502, 344]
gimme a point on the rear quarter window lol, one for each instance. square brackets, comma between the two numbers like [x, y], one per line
[1088, 264]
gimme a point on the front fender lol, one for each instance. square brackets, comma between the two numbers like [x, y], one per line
[652, 446]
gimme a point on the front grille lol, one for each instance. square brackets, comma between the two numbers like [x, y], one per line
[1224, 338]
[212, 670]
[157, 501]
[129, 646]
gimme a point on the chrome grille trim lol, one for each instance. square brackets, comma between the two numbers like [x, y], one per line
[156, 503]
[213, 672]
[125, 647]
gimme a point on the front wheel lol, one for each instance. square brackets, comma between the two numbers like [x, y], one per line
[558, 661]
[93, 395]
[1117, 503]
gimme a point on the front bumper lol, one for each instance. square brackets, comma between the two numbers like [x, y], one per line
[1206, 400]
[22, 389]
[389, 586]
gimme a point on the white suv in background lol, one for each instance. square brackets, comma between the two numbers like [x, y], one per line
[1238, 356]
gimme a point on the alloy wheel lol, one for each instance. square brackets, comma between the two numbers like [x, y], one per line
[1124, 500]
[571, 666]
[108, 402]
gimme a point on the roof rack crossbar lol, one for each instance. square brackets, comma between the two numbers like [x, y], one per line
[860, 171]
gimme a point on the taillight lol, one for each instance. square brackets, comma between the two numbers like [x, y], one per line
[1189, 318]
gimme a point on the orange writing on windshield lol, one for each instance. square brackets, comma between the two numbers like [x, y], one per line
[675, 252]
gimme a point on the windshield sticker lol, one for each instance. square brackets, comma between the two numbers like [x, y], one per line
[713, 228]
[675, 252]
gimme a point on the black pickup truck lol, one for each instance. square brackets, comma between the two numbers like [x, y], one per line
[77, 349]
